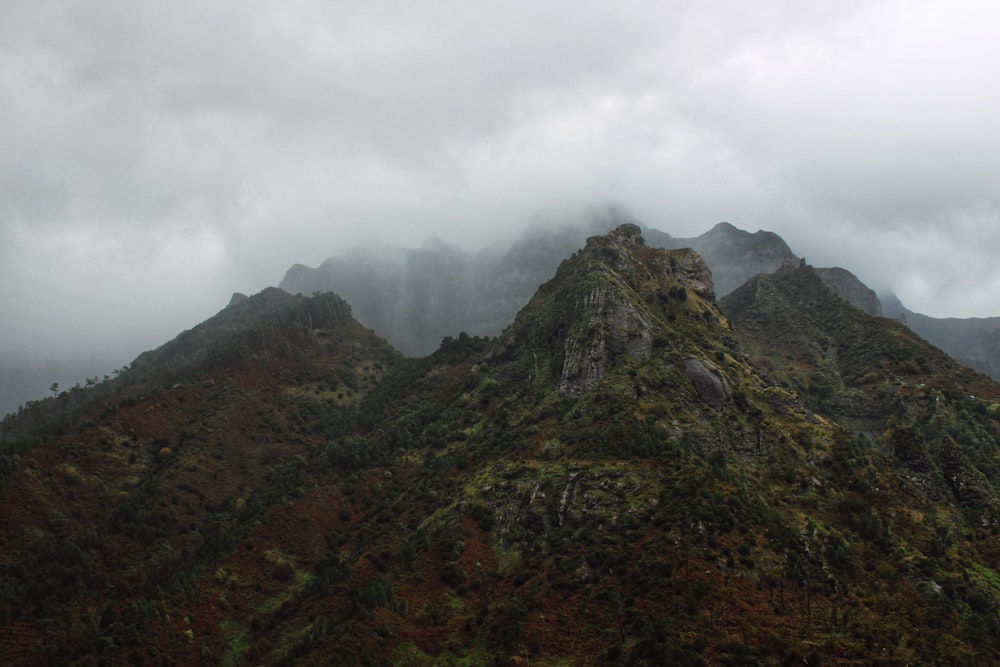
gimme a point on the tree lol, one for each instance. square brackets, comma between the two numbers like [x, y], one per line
[54, 388]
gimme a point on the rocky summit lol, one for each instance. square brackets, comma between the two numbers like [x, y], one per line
[630, 473]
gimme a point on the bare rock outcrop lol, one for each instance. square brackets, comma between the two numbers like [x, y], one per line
[692, 272]
[848, 287]
[711, 385]
[613, 327]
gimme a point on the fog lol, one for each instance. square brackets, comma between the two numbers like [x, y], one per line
[157, 157]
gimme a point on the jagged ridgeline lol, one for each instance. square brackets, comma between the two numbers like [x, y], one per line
[626, 475]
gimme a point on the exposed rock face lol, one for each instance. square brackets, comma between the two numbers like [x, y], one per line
[527, 506]
[613, 327]
[846, 285]
[628, 235]
[611, 321]
[711, 385]
[692, 271]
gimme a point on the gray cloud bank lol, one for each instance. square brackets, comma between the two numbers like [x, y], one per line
[155, 157]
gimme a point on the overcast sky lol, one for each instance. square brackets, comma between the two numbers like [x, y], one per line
[156, 157]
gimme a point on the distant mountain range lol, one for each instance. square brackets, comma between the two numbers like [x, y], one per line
[735, 255]
[415, 297]
[973, 341]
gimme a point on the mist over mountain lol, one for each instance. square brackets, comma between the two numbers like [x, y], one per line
[160, 157]
[630, 473]
[415, 297]
[734, 255]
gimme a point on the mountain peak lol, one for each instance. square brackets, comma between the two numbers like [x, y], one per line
[617, 248]
[613, 302]
[625, 249]
[628, 234]
[725, 228]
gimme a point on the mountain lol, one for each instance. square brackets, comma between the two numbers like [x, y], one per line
[735, 255]
[877, 377]
[623, 476]
[415, 297]
[848, 287]
[973, 341]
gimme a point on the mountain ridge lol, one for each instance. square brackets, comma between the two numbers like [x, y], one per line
[482, 293]
[625, 474]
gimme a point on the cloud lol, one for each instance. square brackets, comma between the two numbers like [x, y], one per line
[171, 153]
[78, 288]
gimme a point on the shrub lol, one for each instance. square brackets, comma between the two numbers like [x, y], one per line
[454, 575]
[283, 571]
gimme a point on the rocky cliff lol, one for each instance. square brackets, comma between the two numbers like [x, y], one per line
[846, 285]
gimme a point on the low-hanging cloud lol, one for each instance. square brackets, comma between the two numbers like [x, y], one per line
[158, 156]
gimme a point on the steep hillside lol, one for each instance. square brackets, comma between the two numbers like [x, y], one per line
[848, 287]
[973, 341]
[934, 417]
[610, 481]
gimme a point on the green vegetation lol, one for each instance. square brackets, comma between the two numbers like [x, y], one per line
[610, 480]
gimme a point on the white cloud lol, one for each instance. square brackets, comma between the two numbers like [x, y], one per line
[171, 153]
